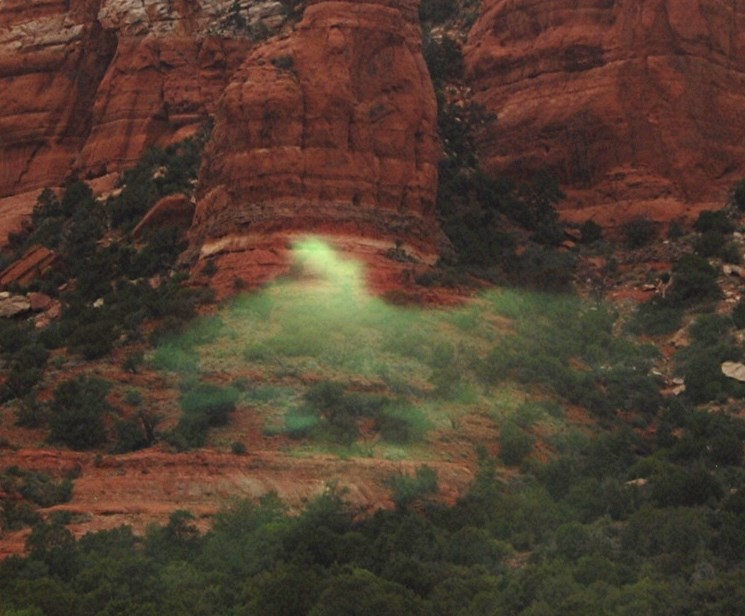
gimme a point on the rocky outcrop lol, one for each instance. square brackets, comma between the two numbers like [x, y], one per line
[145, 487]
[32, 265]
[170, 211]
[13, 305]
[87, 85]
[636, 106]
[329, 130]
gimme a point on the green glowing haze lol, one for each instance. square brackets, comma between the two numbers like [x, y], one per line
[320, 359]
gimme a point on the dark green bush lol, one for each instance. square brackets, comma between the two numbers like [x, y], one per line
[694, 282]
[213, 401]
[37, 487]
[514, 443]
[737, 195]
[714, 221]
[656, 318]
[407, 489]
[130, 436]
[436, 11]
[738, 314]
[444, 58]
[204, 405]
[710, 244]
[591, 232]
[639, 232]
[77, 412]
[238, 448]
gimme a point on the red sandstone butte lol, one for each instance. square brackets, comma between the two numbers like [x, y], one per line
[330, 130]
[637, 106]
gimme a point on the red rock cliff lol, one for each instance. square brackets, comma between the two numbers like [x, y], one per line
[331, 129]
[87, 85]
[637, 106]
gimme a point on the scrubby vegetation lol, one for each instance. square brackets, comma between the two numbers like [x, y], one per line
[615, 524]
[108, 285]
[25, 491]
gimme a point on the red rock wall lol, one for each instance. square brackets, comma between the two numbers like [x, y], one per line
[87, 85]
[635, 105]
[51, 59]
[331, 129]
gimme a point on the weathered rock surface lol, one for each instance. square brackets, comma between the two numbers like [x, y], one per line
[36, 262]
[636, 106]
[170, 211]
[145, 487]
[86, 85]
[12, 305]
[330, 130]
[734, 370]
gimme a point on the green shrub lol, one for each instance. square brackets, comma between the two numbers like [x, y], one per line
[436, 11]
[238, 448]
[675, 230]
[639, 232]
[204, 405]
[714, 221]
[737, 195]
[213, 401]
[130, 436]
[30, 413]
[94, 340]
[591, 232]
[37, 487]
[700, 362]
[738, 314]
[77, 411]
[694, 282]
[407, 489]
[284, 62]
[444, 58]
[514, 443]
[710, 244]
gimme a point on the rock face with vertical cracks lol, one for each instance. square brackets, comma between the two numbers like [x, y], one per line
[87, 85]
[52, 56]
[637, 106]
[331, 129]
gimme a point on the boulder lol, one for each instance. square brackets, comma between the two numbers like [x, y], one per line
[734, 370]
[12, 305]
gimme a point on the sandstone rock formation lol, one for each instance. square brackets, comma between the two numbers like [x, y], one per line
[12, 305]
[35, 263]
[332, 130]
[636, 106]
[87, 85]
[173, 210]
[143, 488]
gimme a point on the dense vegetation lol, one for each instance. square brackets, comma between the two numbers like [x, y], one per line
[615, 524]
